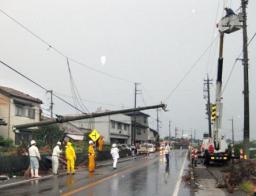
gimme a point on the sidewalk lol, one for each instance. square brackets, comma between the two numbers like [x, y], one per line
[206, 183]
[21, 179]
[206, 180]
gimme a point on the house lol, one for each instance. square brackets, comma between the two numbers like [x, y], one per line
[71, 131]
[17, 108]
[140, 125]
[153, 136]
[114, 128]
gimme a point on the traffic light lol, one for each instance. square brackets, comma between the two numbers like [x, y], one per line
[213, 112]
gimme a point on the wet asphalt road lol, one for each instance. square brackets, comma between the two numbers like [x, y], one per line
[140, 177]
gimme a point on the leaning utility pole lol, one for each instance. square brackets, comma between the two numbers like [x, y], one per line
[62, 119]
[246, 80]
[207, 82]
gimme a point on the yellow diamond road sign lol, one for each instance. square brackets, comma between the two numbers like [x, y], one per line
[94, 135]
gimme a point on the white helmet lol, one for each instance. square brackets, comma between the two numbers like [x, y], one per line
[90, 142]
[113, 145]
[59, 143]
[33, 142]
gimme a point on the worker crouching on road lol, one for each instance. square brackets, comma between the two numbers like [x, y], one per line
[91, 157]
[55, 158]
[34, 156]
[115, 155]
[71, 158]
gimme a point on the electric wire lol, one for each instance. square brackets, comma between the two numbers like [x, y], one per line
[50, 46]
[212, 35]
[190, 69]
[76, 97]
[234, 64]
[39, 85]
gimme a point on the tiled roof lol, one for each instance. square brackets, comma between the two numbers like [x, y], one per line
[14, 93]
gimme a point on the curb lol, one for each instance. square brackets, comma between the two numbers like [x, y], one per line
[61, 174]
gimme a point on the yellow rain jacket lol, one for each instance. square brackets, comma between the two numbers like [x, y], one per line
[71, 157]
[91, 156]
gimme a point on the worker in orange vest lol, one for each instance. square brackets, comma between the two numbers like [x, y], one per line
[91, 157]
[100, 143]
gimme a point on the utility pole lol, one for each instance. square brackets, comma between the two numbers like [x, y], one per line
[134, 113]
[232, 129]
[246, 80]
[207, 82]
[51, 104]
[157, 121]
[169, 130]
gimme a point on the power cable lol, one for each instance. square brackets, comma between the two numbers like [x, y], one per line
[86, 100]
[233, 66]
[212, 35]
[39, 85]
[74, 91]
[61, 53]
[190, 69]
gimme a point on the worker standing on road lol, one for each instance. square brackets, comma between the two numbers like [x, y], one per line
[34, 156]
[194, 157]
[100, 144]
[71, 158]
[91, 156]
[55, 158]
[115, 155]
[167, 152]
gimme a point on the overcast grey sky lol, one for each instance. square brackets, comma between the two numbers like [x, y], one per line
[153, 42]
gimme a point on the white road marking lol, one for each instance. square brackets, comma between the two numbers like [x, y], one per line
[177, 187]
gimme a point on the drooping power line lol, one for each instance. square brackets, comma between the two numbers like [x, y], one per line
[234, 64]
[50, 46]
[190, 69]
[39, 85]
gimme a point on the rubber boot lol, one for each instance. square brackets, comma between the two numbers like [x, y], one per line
[36, 174]
[32, 173]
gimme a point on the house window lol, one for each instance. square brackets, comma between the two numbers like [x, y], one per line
[145, 119]
[113, 124]
[20, 110]
[119, 126]
[125, 127]
[138, 131]
[31, 113]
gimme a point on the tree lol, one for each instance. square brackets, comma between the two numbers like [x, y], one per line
[48, 135]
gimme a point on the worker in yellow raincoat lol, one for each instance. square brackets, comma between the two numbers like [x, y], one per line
[71, 158]
[100, 144]
[91, 156]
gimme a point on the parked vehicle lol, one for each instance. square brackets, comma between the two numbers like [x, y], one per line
[146, 148]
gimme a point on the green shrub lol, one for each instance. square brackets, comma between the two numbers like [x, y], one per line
[247, 186]
[5, 142]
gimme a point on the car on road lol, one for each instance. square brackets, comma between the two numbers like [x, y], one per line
[146, 148]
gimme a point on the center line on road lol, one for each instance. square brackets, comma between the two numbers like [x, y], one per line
[177, 187]
[127, 169]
